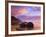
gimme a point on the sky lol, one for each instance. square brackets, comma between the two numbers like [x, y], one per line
[26, 13]
[26, 10]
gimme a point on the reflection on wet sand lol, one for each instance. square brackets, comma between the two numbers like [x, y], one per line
[17, 25]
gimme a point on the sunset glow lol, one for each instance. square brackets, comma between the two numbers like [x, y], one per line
[27, 14]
